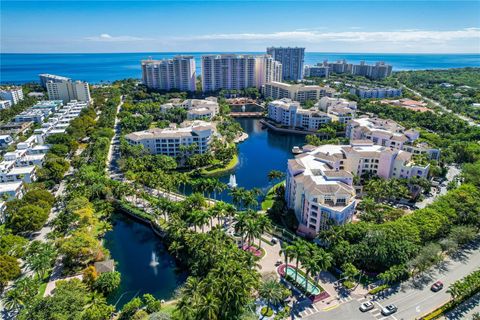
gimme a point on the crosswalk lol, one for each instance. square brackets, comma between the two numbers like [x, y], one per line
[309, 310]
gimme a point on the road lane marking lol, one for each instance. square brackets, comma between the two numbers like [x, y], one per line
[330, 308]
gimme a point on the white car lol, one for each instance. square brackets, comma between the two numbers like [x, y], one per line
[390, 309]
[366, 306]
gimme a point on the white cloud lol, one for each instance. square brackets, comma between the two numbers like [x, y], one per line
[348, 36]
[105, 37]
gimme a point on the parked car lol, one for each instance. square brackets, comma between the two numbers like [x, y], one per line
[366, 306]
[437, 286]
[390, 309]
[274, 241]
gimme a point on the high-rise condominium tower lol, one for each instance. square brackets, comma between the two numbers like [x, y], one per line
[238, 71]
[291, 60]
[176, 73]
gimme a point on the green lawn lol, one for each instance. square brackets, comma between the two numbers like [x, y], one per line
[218, 171]
[270, 197]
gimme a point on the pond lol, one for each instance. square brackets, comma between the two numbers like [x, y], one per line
[142, 258]
[263, 151]
[143, 261]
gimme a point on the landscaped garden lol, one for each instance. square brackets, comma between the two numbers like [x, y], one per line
[255, 250]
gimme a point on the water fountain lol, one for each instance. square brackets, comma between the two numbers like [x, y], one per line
[154, 261]
[232, 182]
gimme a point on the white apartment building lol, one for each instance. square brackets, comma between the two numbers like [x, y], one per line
[319, 71]
[68, 90]
[169, 141]
[297, 92]
[376, 93]
[339, 109]
[388, 133]
[12, 190]
[5, 140]
[319, 181]
[327, 103]
[238, 71]
[13, 94]
[39, 112]
[267, 70]
[290, 114]
[59, 120]
[197, 109]
[383, 132]
[176, 73]
[291, 59]
[5, 104]
[380, 70]
[45, 77]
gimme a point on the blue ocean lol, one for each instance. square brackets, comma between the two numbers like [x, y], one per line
[106, 67]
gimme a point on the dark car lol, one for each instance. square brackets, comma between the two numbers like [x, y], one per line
[437, 286]
[390, 309]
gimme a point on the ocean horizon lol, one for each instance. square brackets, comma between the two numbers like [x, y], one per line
[18, 68]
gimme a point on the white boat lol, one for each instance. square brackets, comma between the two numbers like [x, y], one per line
[296, 150]
[233, 181]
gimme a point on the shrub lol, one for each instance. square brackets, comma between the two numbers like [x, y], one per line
[266, 312]
[379, 289]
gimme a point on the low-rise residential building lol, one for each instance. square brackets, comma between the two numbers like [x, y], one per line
[171, 141]
[11, 190]
[290, 114]
[376, 92]
[296, 92]
[5, 140]
[409, 104]
[39, 112]
[15, 128]
[60, 120]
[327, 103]
[13, 94]
[383, 132]
[197, 109]
[319, 185]
[5, 104]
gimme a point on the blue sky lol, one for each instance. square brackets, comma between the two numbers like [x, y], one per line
[198, 26]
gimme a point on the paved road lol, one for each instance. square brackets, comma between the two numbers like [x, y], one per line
[451, 174]
[413, 299]
[438, 104]
[114, 150]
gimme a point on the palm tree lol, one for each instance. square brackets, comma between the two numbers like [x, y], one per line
[275, 174]
[301, 249]
[209, 307]
[40, 257]
[252, 230]
[241, 223]
[323, 259]
[288, 251]
[271, 291]
[237, 195]
[264, 224]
